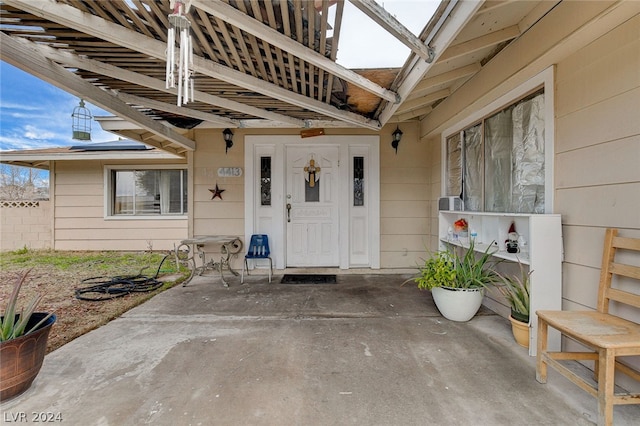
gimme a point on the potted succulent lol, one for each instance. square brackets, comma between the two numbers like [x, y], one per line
[515, 290]
[23, 343]
[457, 282]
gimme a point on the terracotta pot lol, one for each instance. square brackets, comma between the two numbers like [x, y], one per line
[520, 332]
[520, 317]
[457, 304]
[21, 358]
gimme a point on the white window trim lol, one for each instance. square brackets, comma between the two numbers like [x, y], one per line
[545, 80]
[108, 187]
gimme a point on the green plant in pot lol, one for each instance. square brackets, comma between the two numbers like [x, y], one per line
[515, 290]
[23, 343]
[457, 281]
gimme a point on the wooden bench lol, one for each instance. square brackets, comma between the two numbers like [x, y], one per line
[601, 331]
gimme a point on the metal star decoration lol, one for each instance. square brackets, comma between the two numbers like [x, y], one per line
[217, 192]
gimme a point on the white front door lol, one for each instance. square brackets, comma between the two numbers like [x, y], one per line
[312, 205]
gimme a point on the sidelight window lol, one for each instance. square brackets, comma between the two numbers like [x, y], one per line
[265, 181]
[358, 181]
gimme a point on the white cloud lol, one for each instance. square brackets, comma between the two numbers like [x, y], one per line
[13, 142]
[19, 106]
[32, 132]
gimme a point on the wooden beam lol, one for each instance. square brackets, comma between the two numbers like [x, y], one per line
[75, 61]
[492, 5]
[114, 124]
[427, 84]
[172, 108]
[323, 49]
[233, 16]
[337, 26]
[97, 27]
[479, 43]
[448, 26]
[286, 25]
[34, 63]
[311, 41]
[536, 14]
[423, 101]
[412, 114]
[387, 21]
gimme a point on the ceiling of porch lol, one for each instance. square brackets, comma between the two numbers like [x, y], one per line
[256, 63]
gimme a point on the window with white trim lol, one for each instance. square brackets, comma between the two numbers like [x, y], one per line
[497, 164]
[148, 192]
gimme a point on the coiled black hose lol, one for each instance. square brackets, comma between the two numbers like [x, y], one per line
[98, 289]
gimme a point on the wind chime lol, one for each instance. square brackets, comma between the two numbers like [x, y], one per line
[179, 21]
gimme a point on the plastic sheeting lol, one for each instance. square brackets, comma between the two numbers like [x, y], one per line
[474, 168]
[528, 156]
[506, 173]
[498, 138]
[454, 165]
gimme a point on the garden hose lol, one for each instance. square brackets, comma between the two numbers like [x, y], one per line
[98, 289]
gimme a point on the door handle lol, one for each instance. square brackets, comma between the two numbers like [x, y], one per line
[288, 212]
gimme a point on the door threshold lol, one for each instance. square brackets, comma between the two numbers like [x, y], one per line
[338, 271]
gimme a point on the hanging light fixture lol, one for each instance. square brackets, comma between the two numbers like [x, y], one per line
[178, 21]
[227, 134]
[81, 122]
[396, 135]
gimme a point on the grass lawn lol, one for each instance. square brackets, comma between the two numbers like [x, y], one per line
[57, 274]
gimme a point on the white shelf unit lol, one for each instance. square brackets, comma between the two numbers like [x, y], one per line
[542, 254]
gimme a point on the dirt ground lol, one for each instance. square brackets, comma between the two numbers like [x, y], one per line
[57, 285]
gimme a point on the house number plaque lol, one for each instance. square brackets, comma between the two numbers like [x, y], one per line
[230, 172]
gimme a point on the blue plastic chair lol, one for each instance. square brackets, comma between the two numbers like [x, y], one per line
[258, 249]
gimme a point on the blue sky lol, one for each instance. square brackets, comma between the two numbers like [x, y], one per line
[35, 114]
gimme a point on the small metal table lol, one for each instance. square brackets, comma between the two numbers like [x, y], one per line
[191, 248]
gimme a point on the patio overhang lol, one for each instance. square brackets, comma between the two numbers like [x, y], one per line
[257, 64]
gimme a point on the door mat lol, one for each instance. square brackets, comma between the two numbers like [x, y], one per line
[308, 279]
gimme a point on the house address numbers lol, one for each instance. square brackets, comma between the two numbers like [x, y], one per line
[230, 171]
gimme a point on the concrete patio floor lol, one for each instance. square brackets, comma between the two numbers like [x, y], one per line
[364, 351]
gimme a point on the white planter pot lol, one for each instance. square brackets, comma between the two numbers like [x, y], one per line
[457, 304]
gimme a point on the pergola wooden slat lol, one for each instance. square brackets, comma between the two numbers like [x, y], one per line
[261, 62]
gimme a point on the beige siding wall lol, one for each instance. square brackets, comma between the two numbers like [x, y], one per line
[405, 199]
[597, 128]
[597, 99]
[25, 224]
[597, 173]
[80, 222]
[217, 217]
[405, 188]
[220, 216]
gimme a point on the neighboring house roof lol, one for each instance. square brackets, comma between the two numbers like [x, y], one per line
[257, 64]
[114, 150]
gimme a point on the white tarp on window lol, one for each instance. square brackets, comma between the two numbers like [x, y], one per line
[504, 168]
[528, 156]
[498, 139]
[473, 170]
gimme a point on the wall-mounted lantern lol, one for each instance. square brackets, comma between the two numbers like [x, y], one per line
[396, 136]
[227, 134]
